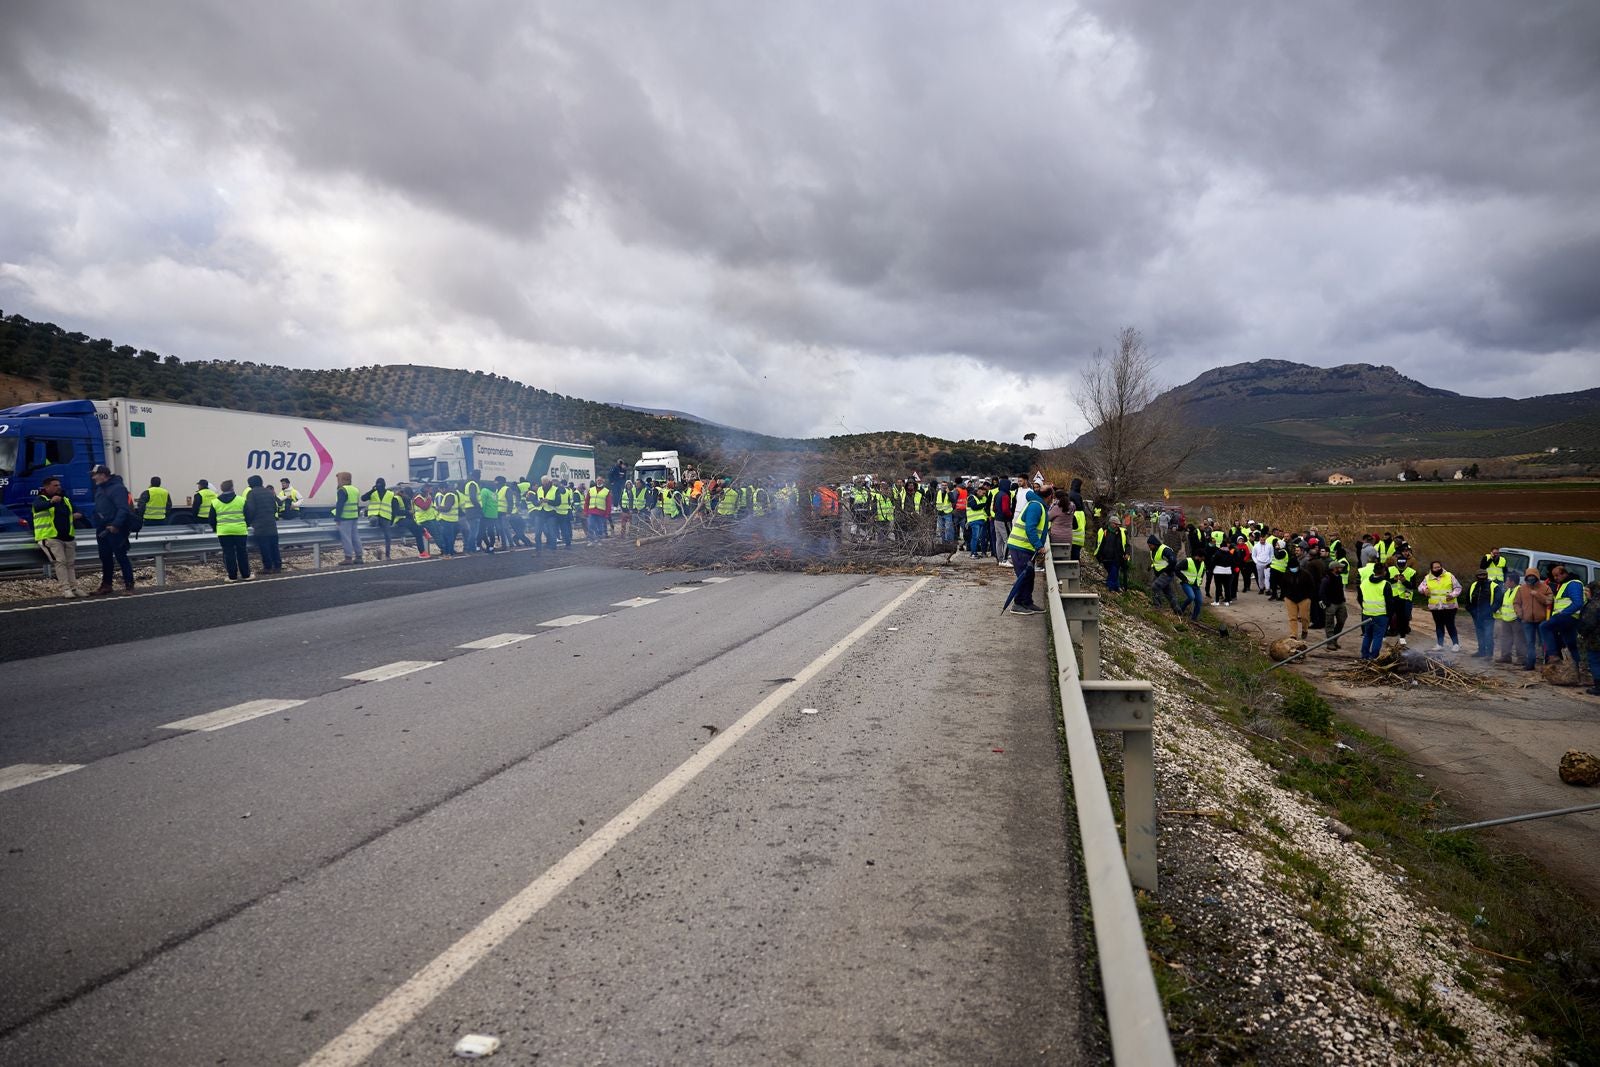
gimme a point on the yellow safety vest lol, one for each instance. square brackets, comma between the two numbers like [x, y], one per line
[421, 512]
[347, 503]
[1100, 539]
[977, 508]
[669, 504]
[507, 499]
[448, 506]
[469, 496]
[728, 503]
[1495, 571]
[1160, 559]
[1080, 528]
[1194, 571]
[885, 508]
[1439, 591]
[1372, 602]
[564, 501]
[942, 503]
[1404, 583]
[230, 517]
[203, 507]
[1565, 596]
[1019, 532]
[44, 523]
[1507, 611]
[381, 506]
[155, 509]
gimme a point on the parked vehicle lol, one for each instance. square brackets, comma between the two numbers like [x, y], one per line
[452, 456]
[180, 444]
[1579, 567]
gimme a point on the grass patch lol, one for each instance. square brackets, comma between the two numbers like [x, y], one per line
[1508, 904]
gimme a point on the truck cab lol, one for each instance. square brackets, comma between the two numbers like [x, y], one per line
[660, 466]
[60, 438]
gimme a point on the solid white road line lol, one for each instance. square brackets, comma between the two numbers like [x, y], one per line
[391, 670]
[718, 579]
[497, 641]
[676, 589]
[571, 620]
[401, 1007]
[637, 602]
[217, 720]
[19, 774]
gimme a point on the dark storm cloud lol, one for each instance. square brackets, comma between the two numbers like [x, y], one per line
[931, 192]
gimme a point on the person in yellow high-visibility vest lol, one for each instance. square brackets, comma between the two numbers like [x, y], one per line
[55, 534]
[155, 504]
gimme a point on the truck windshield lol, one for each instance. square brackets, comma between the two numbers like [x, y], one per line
[660, 474]
[8, 456]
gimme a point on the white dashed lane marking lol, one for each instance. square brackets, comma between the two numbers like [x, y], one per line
[20, 774]
[637, 602]
[718, 580]
[497, 641]
[572, 620]
[217, 720]
[676, 589]
[391, 670]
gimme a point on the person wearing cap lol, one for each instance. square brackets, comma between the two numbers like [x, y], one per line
[1025, 539]
[1372, 592]
[154, 504]
[1533, 607]
[113, 510]
[288, 499]
[1482, 595]
[1589, 635]
[261, 515]
[1163, 567]
[1111, 549]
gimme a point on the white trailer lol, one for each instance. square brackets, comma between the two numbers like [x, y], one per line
[180, 444]
[452, 456]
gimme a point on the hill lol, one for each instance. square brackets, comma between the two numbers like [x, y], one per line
[40, 360]
[1359, 417]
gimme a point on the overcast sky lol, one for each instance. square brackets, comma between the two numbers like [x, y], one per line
[806, 218]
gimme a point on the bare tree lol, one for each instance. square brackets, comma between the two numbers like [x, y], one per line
[1136, 441]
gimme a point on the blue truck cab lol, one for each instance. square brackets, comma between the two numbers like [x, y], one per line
[60, 438]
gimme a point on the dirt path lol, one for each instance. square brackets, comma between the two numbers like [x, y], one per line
[1494, 753]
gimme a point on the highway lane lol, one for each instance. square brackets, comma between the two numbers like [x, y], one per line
[100, 703]
[244, 895]
[32, 630]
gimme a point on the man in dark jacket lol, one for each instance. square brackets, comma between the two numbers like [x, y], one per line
[1111, 549]
[1480, 604]
[261, 514]
[113, 510]
[1075, 494]
[1331, 596]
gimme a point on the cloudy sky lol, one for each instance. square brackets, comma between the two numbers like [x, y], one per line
[813, 217]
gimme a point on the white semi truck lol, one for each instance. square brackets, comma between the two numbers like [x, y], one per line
[180, 444]
[661, 466]
[452, 456]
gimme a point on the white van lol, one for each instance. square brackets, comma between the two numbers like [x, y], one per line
[1520, 559]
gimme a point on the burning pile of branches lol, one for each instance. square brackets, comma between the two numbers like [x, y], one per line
[793, 541]
[1396, 666]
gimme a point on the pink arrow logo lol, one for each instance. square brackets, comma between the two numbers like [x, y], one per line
[324, 461]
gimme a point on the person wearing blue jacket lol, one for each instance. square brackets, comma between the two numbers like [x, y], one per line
[1029, 530]
[113, 511]
[1561, 628]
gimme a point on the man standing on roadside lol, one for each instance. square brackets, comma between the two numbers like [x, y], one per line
[1560, 630]
[1507, 627]
[261, 515]
[1331, 594]
[1481, 603]
[113, 511]
[1372, 591]
[1111, 549]
[471, 498]
[53, 532]
[1024, 541]
[227, 519]
[347, 516]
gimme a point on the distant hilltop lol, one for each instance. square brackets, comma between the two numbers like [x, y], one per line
[1370, 421]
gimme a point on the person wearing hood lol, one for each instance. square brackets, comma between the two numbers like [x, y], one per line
[1075, 494]
[1297, 587]
[1111, 549]
[261, 515]
[113, 511]
[1024, 541]
[233, 531]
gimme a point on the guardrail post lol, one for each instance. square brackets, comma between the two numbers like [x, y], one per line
[316, 555]
[1128, 707]
[161, 571]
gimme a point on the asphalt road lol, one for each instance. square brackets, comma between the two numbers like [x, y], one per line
[616, 840]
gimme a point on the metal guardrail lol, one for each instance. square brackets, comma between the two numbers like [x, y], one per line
[1133, 1007]
[161, 543]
